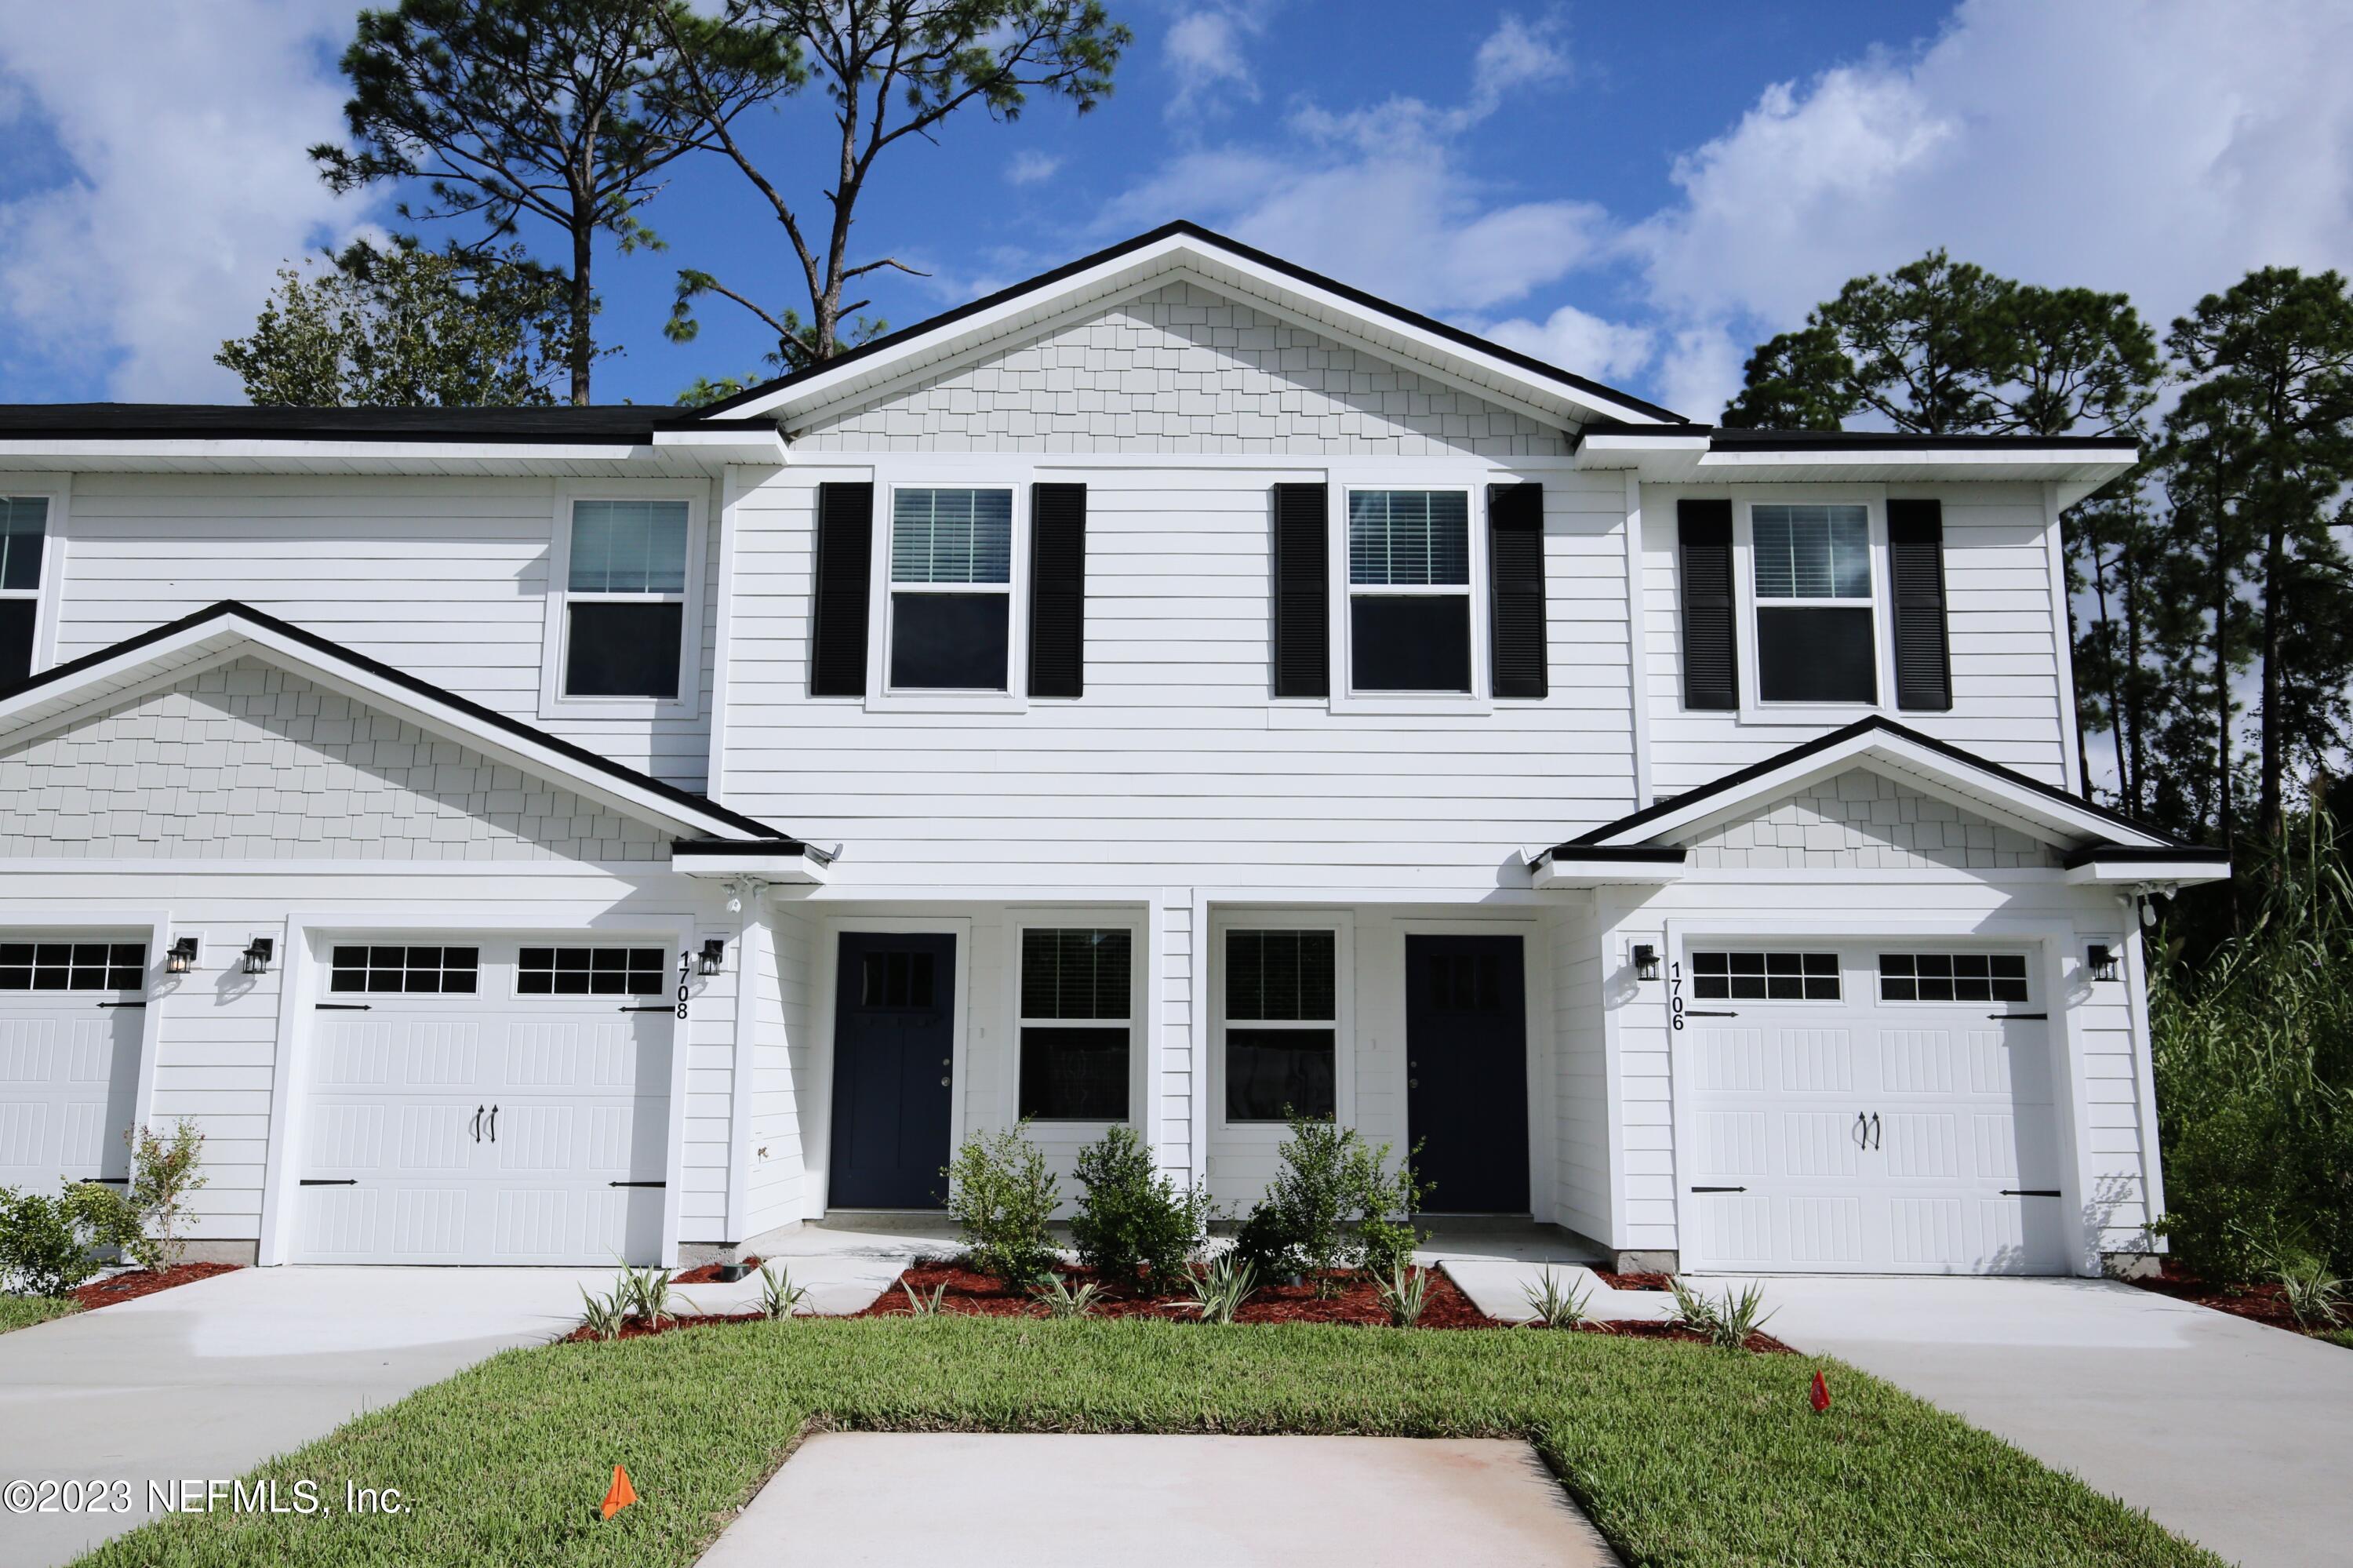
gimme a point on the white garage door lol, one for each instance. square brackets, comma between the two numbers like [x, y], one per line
[1868, 1109]
[71, 1009]
[487, 1100]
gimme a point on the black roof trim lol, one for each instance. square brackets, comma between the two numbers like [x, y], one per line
[1195, 231]
[1636, 855]
[1725, 438]
[581, 755]
[783, 849]
[600, 424]
[2130, 853]
[1739, 779]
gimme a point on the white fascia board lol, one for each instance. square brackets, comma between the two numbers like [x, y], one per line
[804, 870]
[1689, 460]
[1581, 874]
[389, 457]
[2046, 816]
[2183, 872]
[864, 377]
[213, 642]
[765, 448]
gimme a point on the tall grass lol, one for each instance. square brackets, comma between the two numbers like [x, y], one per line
[2253, 1044]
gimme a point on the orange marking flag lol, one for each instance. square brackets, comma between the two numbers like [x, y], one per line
[620, 1495]
[1821, 1394]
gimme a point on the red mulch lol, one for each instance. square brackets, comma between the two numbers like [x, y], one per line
[1632, 1281]
[708, 1274]
[638, 1328]
[1357, 1300]
[2264, 1303]
[139, 1282]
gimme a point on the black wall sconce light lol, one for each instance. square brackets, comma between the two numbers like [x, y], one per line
[1646, 961]
[714, 949]
[181, 957]
[258, 954]
[2101, 959]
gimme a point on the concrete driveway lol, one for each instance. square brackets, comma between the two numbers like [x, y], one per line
[2227, 1432]
[207, 1381]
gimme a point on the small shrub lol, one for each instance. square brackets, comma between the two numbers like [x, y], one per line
[1386, 1237]
[49, 1245]
[602, 1316]
[646, 1294]
[1269, 1243]
[924, 1305]
[1334, 1204]
[1219, 1290]
[1131, 1220]
[1001, 1195]
[1692, 1310]
[1405, 1290]
[1061, 1301]
[1727, 1320]
[2312, 1290]
[1557, 1306]
[163, 1173]
[779, 1297]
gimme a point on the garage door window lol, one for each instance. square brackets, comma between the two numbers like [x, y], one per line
[1952, 977]
[1075, 992]
[73, 966]
[1282, 1026]
[1764, 976]
[418, 971]
[589, 972]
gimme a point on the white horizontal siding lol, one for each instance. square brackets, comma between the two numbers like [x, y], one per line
[443, 579]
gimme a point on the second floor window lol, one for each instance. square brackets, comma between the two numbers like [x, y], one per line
[24, 527]
[951, 589]
[1408, 590]
[1815, 640]
[624, 600]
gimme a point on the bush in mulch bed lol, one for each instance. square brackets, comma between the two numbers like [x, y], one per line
[2263, 1302]
[145, 1282]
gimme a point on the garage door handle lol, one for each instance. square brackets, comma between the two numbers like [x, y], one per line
[637, 1183]
[330, 1181]
[1878, 1138]
[1862, 1130]
[1719, 1189]
[2029, 1191]
[478, 1124]
[494, 1124]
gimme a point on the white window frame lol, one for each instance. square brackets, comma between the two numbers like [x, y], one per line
[56, 489]
[1900, 945]
[552, 701]
[1845, 997]
[669, 972]
[883, 697]
[1137, 964]
[1753, 709]
[1345, 697]
[1344, 1055]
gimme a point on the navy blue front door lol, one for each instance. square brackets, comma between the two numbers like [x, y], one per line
[893, 1042]
[1466, 1041]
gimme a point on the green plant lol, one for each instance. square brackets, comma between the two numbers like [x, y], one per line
[49, 1244]
[1220, 1288]
[647, 1296]
[1557, 1306]
[1405, 1290]
[1727, 1320]
[1692, 1310]
[602, 1316]
[1133, 1223]
[1334, 1204]
[2313, 1292]
[1001, 1195]
[921, 1305]
[1269, 1243]
[163, 1173]
[1386, 1237]
[779, 1297]
[1061, 1301]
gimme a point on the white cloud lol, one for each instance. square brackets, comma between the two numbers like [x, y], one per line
[1209, 52]
[2162, 148]
[185, 127]
[1516, 54]
[1029, 167]
[1576, 340]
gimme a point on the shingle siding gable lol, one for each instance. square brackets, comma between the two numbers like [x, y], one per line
[1184, 369]
[249, 761]
[1862, 820]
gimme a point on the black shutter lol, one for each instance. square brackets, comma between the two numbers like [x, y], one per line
[1303, 592]
[1916, 561]
[1058, 590]
[845, 559]
[1711, 665]
[1516, 575]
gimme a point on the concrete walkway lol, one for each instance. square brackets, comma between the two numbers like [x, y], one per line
[847, 1499]
[211, 1378]
[2227, 1432]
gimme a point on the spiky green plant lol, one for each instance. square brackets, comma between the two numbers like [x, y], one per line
[1554, 1304]
[1220, 1288]
[1060, 1300]
[779, 1297]
[1405, 1291]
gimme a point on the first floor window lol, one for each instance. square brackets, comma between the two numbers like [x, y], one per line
[431, 970]
[1815, 641]
[73, 966]
[1282, 1024]
[1410, 590]
[625, 599]
[951, 589]
[1952, 977]
[24, 526]
[590, 971]
[1764, 976]
[1076, 1025]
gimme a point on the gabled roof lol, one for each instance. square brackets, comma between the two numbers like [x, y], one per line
[1183, 248]
[2095, 837]
[221, 632]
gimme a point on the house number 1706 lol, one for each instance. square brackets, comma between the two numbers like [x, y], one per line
[1675, 994]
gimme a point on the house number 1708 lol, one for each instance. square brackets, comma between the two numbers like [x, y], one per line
[685, 967]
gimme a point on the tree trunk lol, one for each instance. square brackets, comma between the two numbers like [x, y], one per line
[583, 301]
[2116, 681]
[2133, 720]
[2269, 811]
[2223, 758]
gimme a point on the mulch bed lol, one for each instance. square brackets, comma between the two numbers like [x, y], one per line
[2261, 1303]
[139, 1282]
[708, 1274]
[1632, 1281]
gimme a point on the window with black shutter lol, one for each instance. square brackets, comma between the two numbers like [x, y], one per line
[1058, 590]
[1711, 668]
[951, 589]
[1408, 590]
[845, 564]
[1810, 566]
[1303, 596]
[1915, 570]
[1516, 587]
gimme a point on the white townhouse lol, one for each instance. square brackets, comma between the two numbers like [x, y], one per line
[1176, 690]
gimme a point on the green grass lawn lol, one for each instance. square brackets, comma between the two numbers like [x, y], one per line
[23, 1312]
[1681, 1454]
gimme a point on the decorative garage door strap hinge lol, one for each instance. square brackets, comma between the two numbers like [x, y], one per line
[1704, 1012]
[330, 1181]
[657, 1007]
[1719, 1189]
[121, 1005]
[637, 1184]
[2029, 1191]
[343, 1006]
[2018, 1016]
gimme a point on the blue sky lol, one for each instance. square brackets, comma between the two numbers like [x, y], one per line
[1637, 193]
